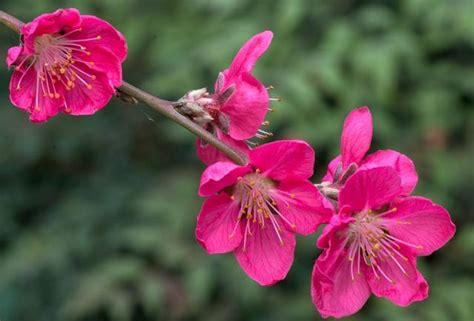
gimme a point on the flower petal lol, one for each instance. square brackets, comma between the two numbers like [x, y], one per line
[401, 163]
[249, 54]
[370, 188]
[333, 291]
[337, 226]
[220, 175]
[264, 258]
[218, 229]
[209, 155]
[422, 223]
[406, 286]
[247, 107]
[105, 61]
[110, 37]
[284, 159]
[48, 107]
[356, 136]
[24, 95]
[13, 54]
[301, 206]
[84, 101]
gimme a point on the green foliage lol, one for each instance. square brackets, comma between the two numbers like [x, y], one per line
[97, 213]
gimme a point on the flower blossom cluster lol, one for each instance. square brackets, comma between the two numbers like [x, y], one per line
[374, 227]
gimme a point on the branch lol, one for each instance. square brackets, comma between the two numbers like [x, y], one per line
[160, 105]
[10, 21]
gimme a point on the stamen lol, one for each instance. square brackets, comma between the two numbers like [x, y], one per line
[370, 238]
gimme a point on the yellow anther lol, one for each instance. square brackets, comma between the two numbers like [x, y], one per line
[62, 71]
[56, 95]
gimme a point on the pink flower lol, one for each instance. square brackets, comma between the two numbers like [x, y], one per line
[372, 244]
[67, 63]
[254, 210]
[240, 101]
[355, 142]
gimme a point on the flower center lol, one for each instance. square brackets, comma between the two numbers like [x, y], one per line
[59, 61]
[256, 196]
[371, 243]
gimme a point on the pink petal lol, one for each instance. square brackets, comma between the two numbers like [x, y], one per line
[50, 23]
[110, 37]
[406, 286]
[220, 175]
[264, 258]
[13, 54]
[329, 177]
[208, 154]
[333, 291]
[422, 223]
[301, 204]
[370, 188]
[48, 107]
[284, 159]
[249, 54]
[356, 136]
[84, 101]
[104, 61]
[401, 163]
[216, 225]
[246, 108]
[337, 226]
[24, 97]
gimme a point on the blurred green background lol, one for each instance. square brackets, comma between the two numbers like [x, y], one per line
[97, 214]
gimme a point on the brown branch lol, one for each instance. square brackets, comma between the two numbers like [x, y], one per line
[160, 105]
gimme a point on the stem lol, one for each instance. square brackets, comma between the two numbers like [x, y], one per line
[10, 21]
[160, 105]
[167, 109]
